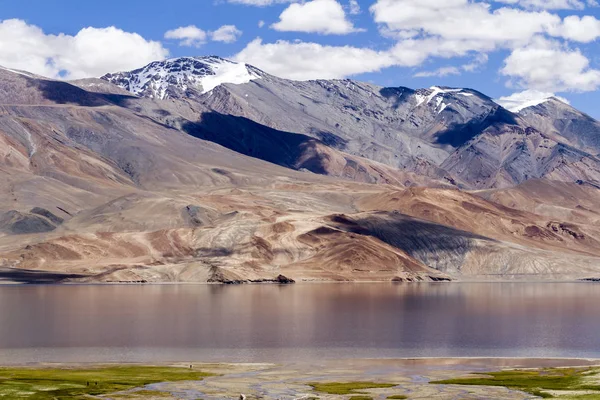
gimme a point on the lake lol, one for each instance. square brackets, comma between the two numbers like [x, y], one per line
[271, 323]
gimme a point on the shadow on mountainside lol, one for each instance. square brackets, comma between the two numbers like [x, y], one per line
[65, 93]
[397, 94]
[437, 246]
[256, 140]
[459, 134]
[11, 275]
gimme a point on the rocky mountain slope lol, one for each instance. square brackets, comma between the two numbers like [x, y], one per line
[565, 124]
[458, 136]
[247, 180]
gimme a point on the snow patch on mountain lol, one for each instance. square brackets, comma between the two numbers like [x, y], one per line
[19, 72]
[517, 102]
[424, 96]
[163, 79]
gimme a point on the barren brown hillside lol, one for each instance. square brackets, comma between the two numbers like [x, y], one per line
[101, 186]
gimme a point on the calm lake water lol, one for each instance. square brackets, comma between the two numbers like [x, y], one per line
[297, 322]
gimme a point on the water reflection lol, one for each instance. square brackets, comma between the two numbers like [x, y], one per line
[266, 322]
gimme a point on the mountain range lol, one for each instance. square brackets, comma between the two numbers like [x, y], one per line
[200, 169]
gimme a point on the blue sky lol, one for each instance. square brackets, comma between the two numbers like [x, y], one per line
[498, 47]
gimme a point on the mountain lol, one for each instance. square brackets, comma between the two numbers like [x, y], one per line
[565, 123]
[157, 175]
[456, 136]
[186, 77]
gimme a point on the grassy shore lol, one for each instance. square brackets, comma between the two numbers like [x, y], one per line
[562, 383]
[50, 384]
[366, 379]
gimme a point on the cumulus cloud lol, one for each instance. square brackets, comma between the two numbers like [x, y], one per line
[91, 52]
[477, 61]
[539, 42]
[303, 61]
[456, 28]
[189, 36]
[440, 72]
[462, 20]
[354, 7]
[549, 4]
[585, 29]
[316, 16]
[476, 22]
[192, 36]
[528, 98]
[226, 34]
[546, 65]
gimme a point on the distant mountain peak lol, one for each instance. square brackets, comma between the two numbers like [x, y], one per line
[180, 77]
[529, 98]
[438, 94]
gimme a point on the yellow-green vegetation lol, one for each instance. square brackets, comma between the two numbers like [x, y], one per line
[67, 384]
[361, 398]
[397, 397]
[563, 383]
[346, 388]
[141, 394]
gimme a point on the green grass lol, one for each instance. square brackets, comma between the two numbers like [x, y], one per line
[346, 388]
[397, 397]
[68, 384]
[537, 382]
[140, 394]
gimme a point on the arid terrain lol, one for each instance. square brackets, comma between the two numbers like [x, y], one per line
[98, 184]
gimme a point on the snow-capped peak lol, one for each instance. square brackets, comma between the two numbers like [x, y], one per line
[178, 76]
[517, 102]
[424, 96]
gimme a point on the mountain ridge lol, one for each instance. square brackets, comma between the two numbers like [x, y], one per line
[424, 131]
[319, 180]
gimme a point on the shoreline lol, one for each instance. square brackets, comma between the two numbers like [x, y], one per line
[301, 283]
[505, 362]
[18, 277]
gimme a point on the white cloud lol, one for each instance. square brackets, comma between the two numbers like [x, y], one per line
[302, 61]
[261, 23]
[547, 4]
[476, 23]
[226, 34]
[440, 72]
[91, 52]
[547, 66]
[528, 98]
[354, 7]
[317, 16]
[424, 29]
[190, 36]
[478, 61]
[457, 28]
[585, 29]
[462, 20]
